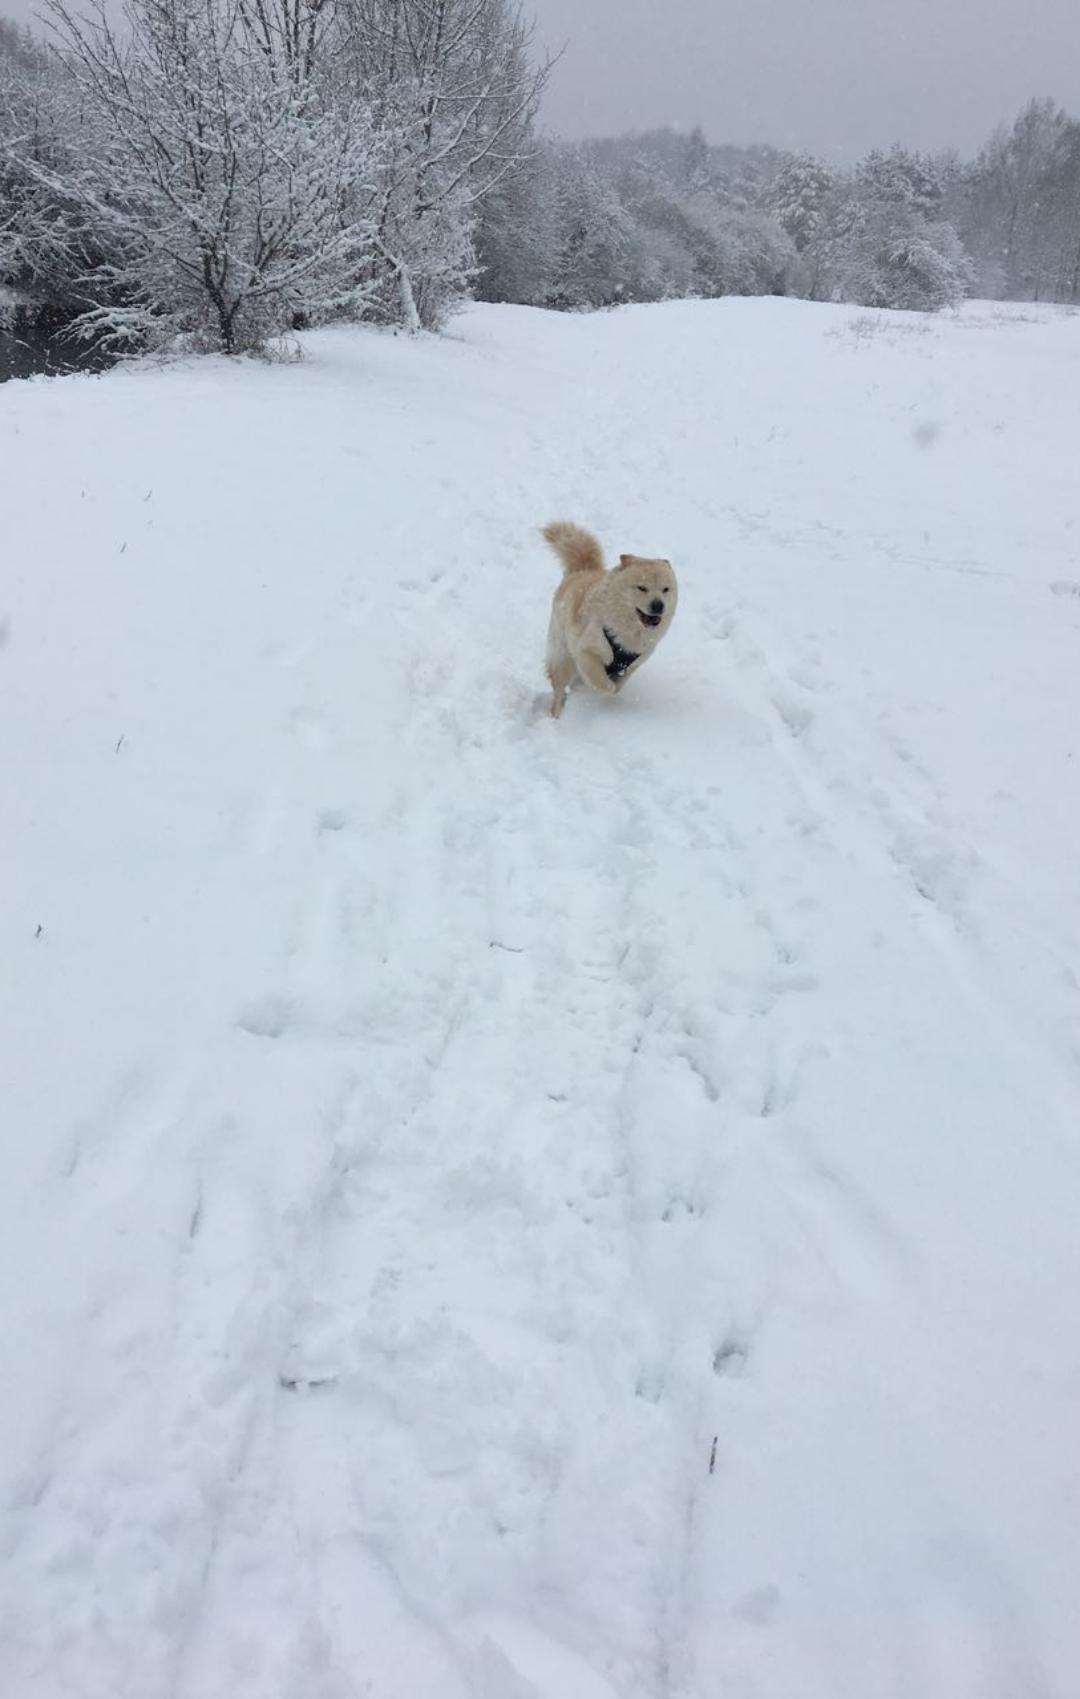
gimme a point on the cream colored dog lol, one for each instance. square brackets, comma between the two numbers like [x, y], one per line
[604, 625]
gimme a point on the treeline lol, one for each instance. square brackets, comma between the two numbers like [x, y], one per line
[647, 217]
[212, 173]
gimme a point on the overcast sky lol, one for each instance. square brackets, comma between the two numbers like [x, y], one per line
[836, 77]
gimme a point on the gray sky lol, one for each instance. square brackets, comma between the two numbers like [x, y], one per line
[834, 76]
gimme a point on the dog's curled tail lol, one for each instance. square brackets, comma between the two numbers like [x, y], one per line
[578, 550]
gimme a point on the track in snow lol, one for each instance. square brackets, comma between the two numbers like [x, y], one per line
[532, 1211]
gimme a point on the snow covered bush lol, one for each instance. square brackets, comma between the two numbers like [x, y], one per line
[878, 237]
[922, 267]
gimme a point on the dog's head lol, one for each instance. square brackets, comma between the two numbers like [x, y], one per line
[648, 588]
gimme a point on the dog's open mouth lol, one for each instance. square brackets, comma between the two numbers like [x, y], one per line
[649, 619]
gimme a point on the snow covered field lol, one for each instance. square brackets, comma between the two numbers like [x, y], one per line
[503, 1210]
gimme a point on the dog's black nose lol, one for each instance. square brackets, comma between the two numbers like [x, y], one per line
[656, 606]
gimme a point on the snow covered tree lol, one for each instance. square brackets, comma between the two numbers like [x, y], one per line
[880, 238]
[1061, 274]
[900, 179]
[1013, 168]
[516, 233]
[197, 181]
[455, 94]
[19, 48]
[905, 263]
[697, 161]
[594, 237]
[765, 261]
[798, 196]
[728, 251]
[690, 232]
[1022, 212]
[43, 250]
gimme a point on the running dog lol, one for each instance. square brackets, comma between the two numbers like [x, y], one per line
[604, 625]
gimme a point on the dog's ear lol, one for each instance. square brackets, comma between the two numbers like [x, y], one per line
[624, 560]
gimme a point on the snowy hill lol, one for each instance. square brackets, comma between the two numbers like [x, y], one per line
[504, 1210]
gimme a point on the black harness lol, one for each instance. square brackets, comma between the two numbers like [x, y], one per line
[621, 659]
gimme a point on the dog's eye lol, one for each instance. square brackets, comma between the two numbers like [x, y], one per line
[643, 590]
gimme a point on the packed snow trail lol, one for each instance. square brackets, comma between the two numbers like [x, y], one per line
[503, 1210]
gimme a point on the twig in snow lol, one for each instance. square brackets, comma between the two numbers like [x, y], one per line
[712, 1455]
[511, 949]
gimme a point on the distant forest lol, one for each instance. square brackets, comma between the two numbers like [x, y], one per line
[223, 171]
[645, 217]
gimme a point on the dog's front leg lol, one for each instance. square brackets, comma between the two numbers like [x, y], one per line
[593, 669]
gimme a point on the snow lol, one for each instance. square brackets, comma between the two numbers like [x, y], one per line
[505, 1210]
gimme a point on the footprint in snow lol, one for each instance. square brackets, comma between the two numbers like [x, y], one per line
[268, 1017]
[731, 1357]
[797, 715]
[678, 1209]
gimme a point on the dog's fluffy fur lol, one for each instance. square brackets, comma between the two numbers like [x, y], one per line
[604, 625]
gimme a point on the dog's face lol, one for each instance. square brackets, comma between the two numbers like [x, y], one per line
[648, 587]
